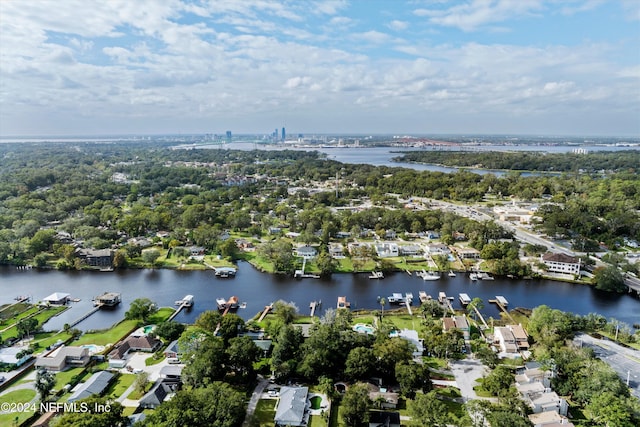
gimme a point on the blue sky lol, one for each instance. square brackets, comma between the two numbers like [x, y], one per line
[543, 67]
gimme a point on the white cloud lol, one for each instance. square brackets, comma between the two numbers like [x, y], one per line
[398, 25]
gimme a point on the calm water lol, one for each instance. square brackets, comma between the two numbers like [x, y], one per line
[259, 289]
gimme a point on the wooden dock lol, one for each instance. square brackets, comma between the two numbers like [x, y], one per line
[183, 304]
[84, 316]
[408, 298]
[480, 317]
[267, 309]
[502, 308]
[314, 306]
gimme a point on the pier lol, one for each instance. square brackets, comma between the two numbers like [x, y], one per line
[314, 306]
[186, 302]
[502, 303]
[267, 309]
[446, 301]
[480, 317]
[343, 303]
[95, 309]
[408, 298]
[424, 297]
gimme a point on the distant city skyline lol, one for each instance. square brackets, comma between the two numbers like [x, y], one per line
[422, 67]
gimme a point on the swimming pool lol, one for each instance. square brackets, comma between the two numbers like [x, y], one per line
[364, 328]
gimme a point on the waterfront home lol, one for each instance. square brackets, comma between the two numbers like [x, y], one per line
[306, 252]
[336, 250]
[172, 351]
[383, 397]
[96, 257]
[549, 419]
[292, 408]
[118, 356]
[245, 245]
[8, 356]
[196, 250]
[468, 253]
[505, 339]
[438, 249]
[386, 250]
[412, 336]
[95, 385]
[410, 250]
[561, 263]
[64, 357]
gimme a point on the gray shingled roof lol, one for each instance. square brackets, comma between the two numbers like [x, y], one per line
[290, 410]
[96, 384]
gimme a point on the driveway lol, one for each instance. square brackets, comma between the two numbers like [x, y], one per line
[136, 361]
[466, 372]
[255, 397]
[625, 361]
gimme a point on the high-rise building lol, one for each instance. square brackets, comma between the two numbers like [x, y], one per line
[283, 134]
[228, 136]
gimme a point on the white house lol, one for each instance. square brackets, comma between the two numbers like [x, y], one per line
[385, 250]
[306, 251]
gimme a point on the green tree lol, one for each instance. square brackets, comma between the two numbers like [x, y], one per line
[45, 381]
[285, 311]
[230, 326]
[609, 410]
[217, 405]
[141, 309]
[150, 256]
[209, 320]
[229, 249]
[26, 326]
[169, 331]
[326, 263]
[206, 363]
[411, 377]
[360, 363]
[242, 352]
[499, 380]
[609, 279]
[101, 412]
[142, 382]
[355, 405]
[428, 410]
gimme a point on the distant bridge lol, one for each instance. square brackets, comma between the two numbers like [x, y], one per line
[633, 283]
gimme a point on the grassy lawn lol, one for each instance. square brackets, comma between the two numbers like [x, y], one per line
[403, 321]
[116, 389]
[152, 360]
[63, 378]
[317, 421]
[161, 315]
[434, 362]
[14, 418]
[22, 396]
[42, 316]
[265, 411]
[46, 339]
[108, 336]
[15, 313]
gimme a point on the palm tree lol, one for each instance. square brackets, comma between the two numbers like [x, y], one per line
[475, 303]
[383, 301]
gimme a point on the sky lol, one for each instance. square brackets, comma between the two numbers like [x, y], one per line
[531, 67]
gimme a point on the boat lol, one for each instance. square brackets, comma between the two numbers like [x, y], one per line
[431, 275]
[464, 299]
[485, 276]
[231, 303]
[225, 272]
[187, 301]
[442, 297]
[451, 273]
[396, 298]
[473, 276]
[376, 275]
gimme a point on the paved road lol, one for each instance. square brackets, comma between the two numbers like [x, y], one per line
[625, 361]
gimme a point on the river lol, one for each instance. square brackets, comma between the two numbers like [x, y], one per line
[259, 289]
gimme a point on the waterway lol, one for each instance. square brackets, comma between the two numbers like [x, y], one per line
[259, 289]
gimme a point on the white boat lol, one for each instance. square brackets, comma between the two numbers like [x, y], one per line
[485, 276]
[473, 276]
[396, 298]
[423, 296]
[431, 275]
[376, 275]
[451, 273]
[221, 302]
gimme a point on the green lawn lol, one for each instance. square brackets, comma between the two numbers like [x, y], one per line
[64, 377]
[116, 389]
[317, 421]
[108, 336]
[14, 418]
[18, 396]
[161, 315]
[265, 411]
[42, 316]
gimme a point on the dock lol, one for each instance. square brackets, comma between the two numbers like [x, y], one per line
[480, 317]
[464, 299]
[225, 272]
[424, 297]
[84, 316]
[314, 306]
[408, 298]
[267, 309]
[376, 275]
[343, 303]
[107, 299]
[186, 302]
[502, 303]
[446, 301]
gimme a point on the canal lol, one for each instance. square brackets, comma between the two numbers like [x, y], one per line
[258, 289]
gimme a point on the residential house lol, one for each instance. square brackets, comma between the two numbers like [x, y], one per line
[196, 250]
[433, 235]
[64, 357]
[521, 336]
[505, 339]
[384, 419]
[117, 357]
[448, 324]
[438, 249]
[412, 336]
[468, 253]
[291, 409]
[383, 397]
[161, 391]
[245, 245]
[172, 372]
[463, 325]
[561, 263]
[549, 419]
[410, 250]
[343, 235]
[9, 356]
[547, 402]
[390, 234]
[95, 385]
[172, 351]
[386, 250]
[459, 236]
[275, 230]
[97, 257]
[306, 252]
[336, 250]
